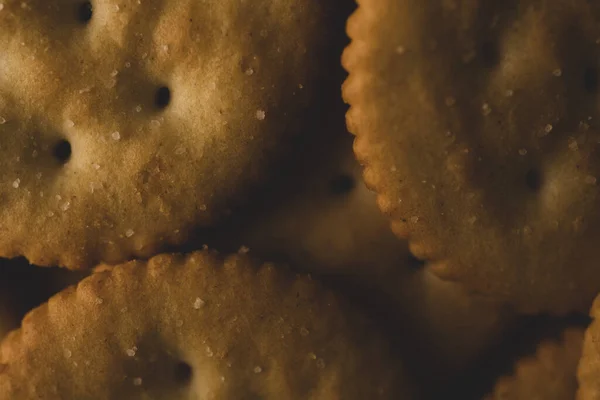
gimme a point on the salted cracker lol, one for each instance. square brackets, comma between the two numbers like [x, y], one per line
[477, 125]
[125, 123]
[197, 326]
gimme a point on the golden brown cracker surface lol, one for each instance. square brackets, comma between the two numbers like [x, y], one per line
[125, 123]
[476, 122]
[197, 326]
[550, 374]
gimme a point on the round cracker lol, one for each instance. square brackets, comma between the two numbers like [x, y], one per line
[477, 124]
[550, 374]
[197, 326]
[325, 221]
[124, 125]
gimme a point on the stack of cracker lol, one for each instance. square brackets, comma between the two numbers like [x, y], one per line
[184, 213]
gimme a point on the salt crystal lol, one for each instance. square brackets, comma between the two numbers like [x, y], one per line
[38, 175]
[557, 72]
[260, 115]
[96, 166]
[590, 180]
[2, 120]
[129, 233]
[180, 150]
[198, 303]
[509, 93]
[548, 128]
[138, 108]
[68, 353]
[522, 152]
[257, 370]
[527, 230]
[320, 363]
[1, 6]
[114, 73]
[485, 109]
[209, 351]
[127, 64]
[99, 300]
[312, 356]
[249, 72]
[69, 123]
[117, 8]
[573, 145]
[115, 135]
[16, 183]
[137, 381]
[131, 352]
[304, 331]
[202, 207]
[414, 220]
[243, 250]
[65, 205]
[34, 154]
[50, 214]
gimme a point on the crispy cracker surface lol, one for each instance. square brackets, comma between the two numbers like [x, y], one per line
[197, 327]
[126, 123]
[477, 125]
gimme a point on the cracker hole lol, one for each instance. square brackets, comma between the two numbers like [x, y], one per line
[163, 97]
[84, 12]
[489, 52]
[414, 263]
[533, 179]
[183, 372]
[342, 184]
[62, 151]
[590, 79]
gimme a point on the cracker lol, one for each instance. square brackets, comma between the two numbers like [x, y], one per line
[588, 371]
[550, 374]
[323, 220]
[197, 327]
[126, 123]
[476, 122]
